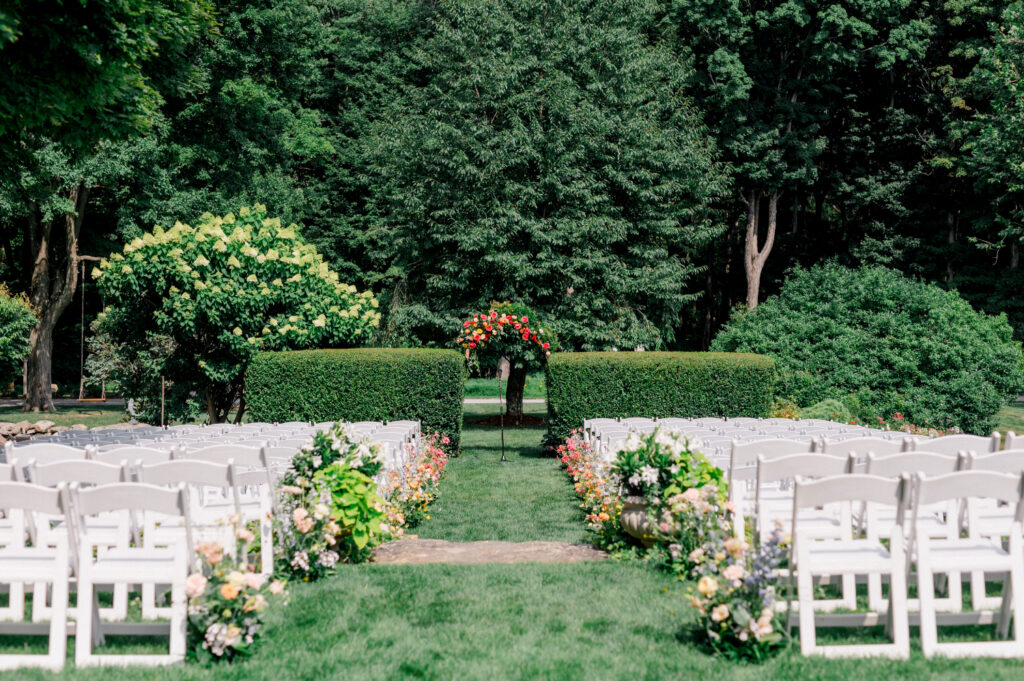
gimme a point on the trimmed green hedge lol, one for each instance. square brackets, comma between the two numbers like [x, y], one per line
[585, 385]
[366, 384]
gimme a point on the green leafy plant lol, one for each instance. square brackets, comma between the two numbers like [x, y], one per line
[355, 506]
[16, 322]
[218, 293]
[583, 385]
[365, 384]
[893, 343]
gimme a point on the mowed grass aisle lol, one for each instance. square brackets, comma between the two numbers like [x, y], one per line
[605, 621]
[523, 499]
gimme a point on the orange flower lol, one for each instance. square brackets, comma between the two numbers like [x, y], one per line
[229, 592]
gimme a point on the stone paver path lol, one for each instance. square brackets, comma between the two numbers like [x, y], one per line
[408, 551]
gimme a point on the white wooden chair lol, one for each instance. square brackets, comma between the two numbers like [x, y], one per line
[971, 554]
[989, 518]
[863, 445]
[742, 473]
[20, 564]
[45, 452]
[129, 565]
[13, 532]
[941, 520]
[107, 530]
[254, 478]
[811, 558]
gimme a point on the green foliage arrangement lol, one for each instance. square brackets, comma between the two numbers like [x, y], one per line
[209, 297]
[883, 343]
[583, 385]
[360, 385]
[661, 465]
[16, 322]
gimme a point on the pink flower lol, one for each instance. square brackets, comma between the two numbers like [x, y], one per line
[304, 525]
[445, 441]
[253, 580]
[245, 534]
[195, 585]
[291, 489]
[691, 494]
[276, 587]
[299, 514]
[720, 612]
[733, 572]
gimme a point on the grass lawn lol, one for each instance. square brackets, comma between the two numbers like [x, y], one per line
[92, 415]
[1011, 417]
[488, 387]
[593, 621]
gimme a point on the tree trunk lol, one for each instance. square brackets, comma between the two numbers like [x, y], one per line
[50, 293]
[754, 257]
[514, 393]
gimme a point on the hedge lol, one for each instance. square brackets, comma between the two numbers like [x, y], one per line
[366, 384]
[584, 385]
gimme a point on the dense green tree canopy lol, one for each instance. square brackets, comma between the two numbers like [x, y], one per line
[545, 154]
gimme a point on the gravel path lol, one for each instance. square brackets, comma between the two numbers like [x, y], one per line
[419, 551]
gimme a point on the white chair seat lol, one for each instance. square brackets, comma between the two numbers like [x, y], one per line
[29, 564]
[150, 564]
[836, 556]
[967, 554]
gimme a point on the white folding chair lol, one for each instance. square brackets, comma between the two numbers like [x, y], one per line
[862, 445]
[971, 554]
[45, 452]
[742, 473]
[811, 558]
[255, 479]
[941, 520]
[129, 565]
[133, 454]
[20, 564]
[106, 530]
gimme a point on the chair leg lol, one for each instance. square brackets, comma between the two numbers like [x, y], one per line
[40, 611]
[1005, 609]
[926, 596]
[83, 632]
[805, 596]
[266, 547]
[59, 622]
[1016, 579]
[898, 607]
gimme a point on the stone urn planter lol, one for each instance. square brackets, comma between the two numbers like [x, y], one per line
[634, 520]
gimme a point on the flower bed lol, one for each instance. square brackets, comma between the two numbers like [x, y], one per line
[688, 531]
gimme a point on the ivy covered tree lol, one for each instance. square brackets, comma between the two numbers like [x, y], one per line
[544, 152]
[195, 304]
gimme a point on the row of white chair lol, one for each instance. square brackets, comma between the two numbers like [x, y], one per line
[912, 550]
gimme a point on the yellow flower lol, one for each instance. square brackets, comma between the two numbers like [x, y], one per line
[707, 586]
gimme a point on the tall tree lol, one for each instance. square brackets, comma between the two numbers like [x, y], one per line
[771, 74]
[544, 153]
[77, 77]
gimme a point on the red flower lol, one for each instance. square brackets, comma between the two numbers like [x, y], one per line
[546, 346]
[476, 336]
[489, 327]
[472, 345]
[525, 319]
[518, 325]
[467, 324]
[526, 336]
[494, 315]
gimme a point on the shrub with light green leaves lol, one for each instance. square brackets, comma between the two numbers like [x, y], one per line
[883, 343]
[16, 322]
[195, 304]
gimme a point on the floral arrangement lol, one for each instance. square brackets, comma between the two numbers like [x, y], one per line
[225, 606]
[410, 490]
[899, 423]
[661, 464]
[493, 326]
[328, 509]
[599, 499]
[734, 595]
[687, 521]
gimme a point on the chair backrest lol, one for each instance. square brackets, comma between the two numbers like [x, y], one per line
[243, 455]
[805, 466]
[1005, 487]
[1006, 461]
[47, 452]
[129, 497]
[1013, 441]
[83, 472]
[853, 487]
[10, 472]
[954, 444]
[863, 445]
[910, 463]
[133, 454]
[193, 472]
[32, 498]
[744, 454]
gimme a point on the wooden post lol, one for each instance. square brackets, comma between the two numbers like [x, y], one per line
[503, 371]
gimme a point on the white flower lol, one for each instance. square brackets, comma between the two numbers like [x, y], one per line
[649, 474]
[634, 480]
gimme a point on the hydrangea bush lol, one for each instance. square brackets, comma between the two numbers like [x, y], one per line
[226, 603]
[196, 303]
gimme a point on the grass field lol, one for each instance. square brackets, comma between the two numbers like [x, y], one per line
[595, 622]
[488, 387]
[91, 415]
[1011, 417]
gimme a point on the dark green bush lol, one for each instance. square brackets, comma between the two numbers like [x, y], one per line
[16, 322]
[882, 343]
[584, 385]
[366, 384]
